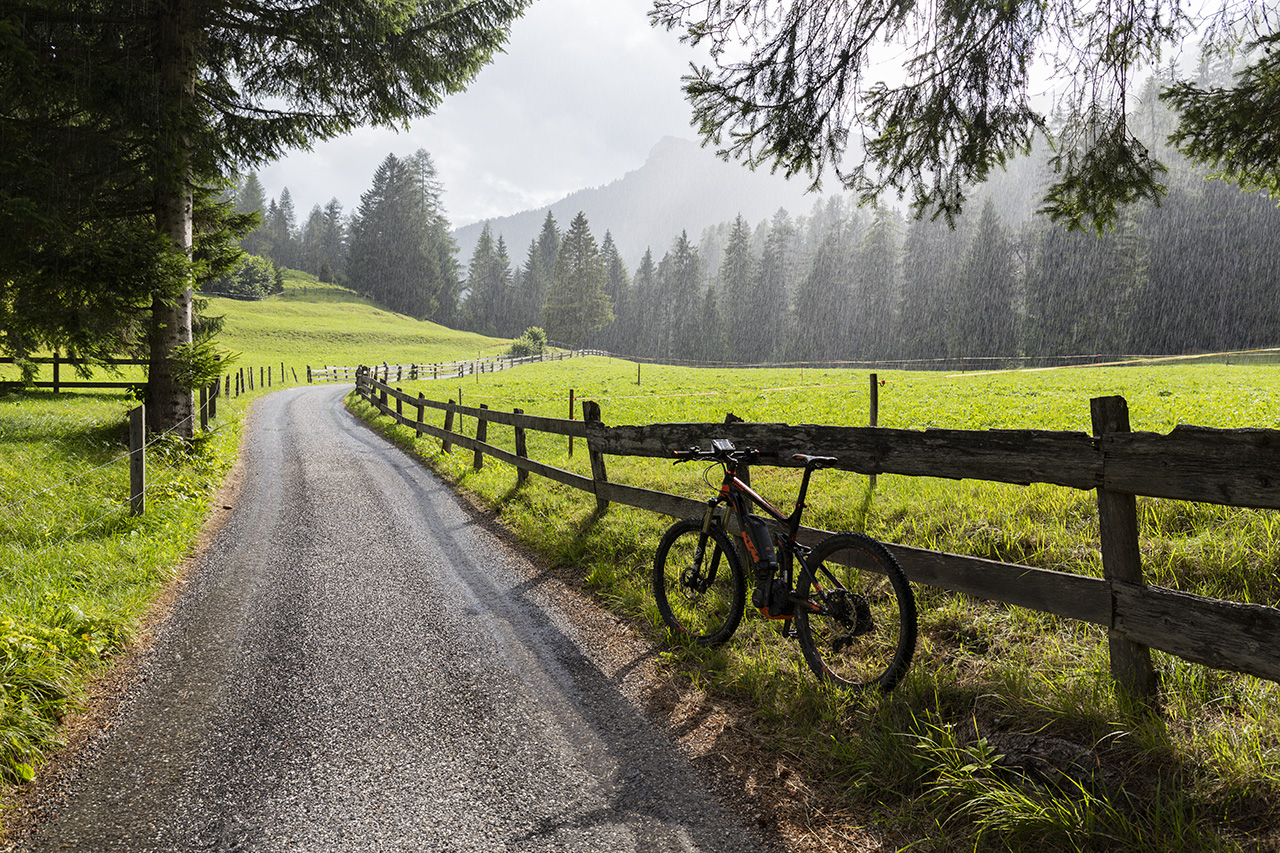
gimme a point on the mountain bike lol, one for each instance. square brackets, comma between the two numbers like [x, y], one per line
[846, 600]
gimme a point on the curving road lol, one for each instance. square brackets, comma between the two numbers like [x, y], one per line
[318, 688]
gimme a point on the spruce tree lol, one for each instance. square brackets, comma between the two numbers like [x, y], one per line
[647, 301]
[614, 336]
[742, 303]
[679, 300]
[400, 251]
[773, 285]
[931, 253]
[876, 289]
[576, 304]
[984, 323]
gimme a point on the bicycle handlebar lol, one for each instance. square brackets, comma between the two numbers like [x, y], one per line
[723, 451]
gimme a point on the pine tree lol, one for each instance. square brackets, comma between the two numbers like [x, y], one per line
[576, 304]
[984, 322]
[614, 336]
[748, 320]
[400, 252]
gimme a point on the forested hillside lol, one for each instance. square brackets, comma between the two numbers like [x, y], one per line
[827, 282]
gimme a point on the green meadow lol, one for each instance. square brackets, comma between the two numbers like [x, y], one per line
[924, 766]
[933, 766]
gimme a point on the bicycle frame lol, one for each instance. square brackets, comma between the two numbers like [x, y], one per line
[739, 497]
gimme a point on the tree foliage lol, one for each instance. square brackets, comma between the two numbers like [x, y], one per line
[400, 250]
[792, 84]
[133, 106]
[577, 304]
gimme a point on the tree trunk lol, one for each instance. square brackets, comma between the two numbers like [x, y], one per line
[171, 405]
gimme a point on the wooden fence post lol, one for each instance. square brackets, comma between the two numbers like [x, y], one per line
[874, 414]
[137, 461]
[591, 415]
[214, 390]
[482, 434]
[399, 407]
[1131, 667]
[521, 473]
[571, 415]
[422, 407]
[308, 374]
[447, 446]
[204, 409]
[57, 379]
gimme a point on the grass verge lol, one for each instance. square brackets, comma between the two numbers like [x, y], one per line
[77, 572]
[1007, 734]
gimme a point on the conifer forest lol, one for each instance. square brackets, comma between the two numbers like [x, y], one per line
[1197, 272]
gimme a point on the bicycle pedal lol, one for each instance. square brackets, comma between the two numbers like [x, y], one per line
[788, 630]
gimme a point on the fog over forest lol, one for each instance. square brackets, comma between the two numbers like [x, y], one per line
[694, 259]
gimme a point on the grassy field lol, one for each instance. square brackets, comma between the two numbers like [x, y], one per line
[321, 324]
[77, 573]
[941, 763]
[922, 768]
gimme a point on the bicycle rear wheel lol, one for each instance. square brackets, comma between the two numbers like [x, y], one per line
[863, 632]
[698, 583]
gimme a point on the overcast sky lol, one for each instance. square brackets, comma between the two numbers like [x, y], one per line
[585, 89]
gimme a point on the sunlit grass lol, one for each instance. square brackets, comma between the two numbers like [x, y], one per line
[1204, 773]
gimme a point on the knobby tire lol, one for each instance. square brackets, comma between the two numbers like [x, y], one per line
[702, 601]
[865, 635]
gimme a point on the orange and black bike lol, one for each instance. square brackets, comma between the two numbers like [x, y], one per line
[846, 600]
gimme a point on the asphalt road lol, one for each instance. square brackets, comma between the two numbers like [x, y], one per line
[358, 663]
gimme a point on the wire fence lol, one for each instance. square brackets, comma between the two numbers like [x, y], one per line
[157, 478]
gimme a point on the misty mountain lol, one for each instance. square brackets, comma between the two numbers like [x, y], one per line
[681, 187]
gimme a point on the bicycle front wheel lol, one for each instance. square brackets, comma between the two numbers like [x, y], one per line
[698, 583]
[859, 628]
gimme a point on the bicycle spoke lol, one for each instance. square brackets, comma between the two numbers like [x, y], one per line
[702, 599]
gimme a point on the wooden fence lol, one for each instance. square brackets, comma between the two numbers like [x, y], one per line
[58, 383]
[1239, 467]
[446, 370]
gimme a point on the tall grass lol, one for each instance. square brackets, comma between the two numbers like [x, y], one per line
[1002, 703]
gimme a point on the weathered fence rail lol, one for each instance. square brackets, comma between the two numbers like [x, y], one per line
[1229, 467]
[442, 370]
[57, 383]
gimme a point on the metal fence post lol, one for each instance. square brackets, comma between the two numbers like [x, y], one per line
[137, 460]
